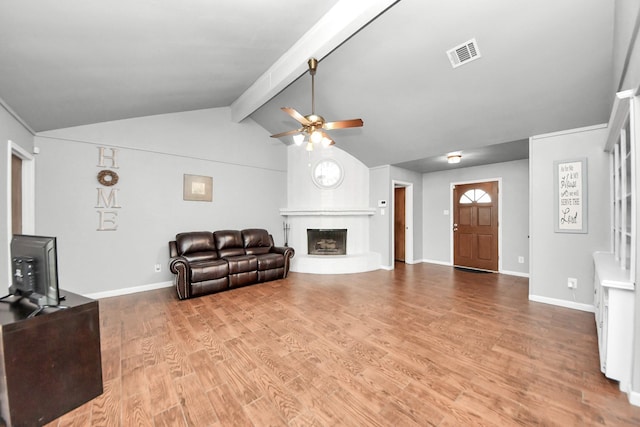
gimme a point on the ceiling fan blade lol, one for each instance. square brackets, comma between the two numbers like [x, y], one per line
[353, 123]
[289, 132]
[299, 117]
[324, 135]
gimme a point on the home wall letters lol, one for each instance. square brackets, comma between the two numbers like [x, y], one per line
[107, 202]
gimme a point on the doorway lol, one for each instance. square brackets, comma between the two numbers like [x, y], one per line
[399, 223]
[402, 204]
[21, 188]
[475, 225]
[16, 194]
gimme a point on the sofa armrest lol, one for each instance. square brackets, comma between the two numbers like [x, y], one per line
[283, 250]
[173, 249]
[180, 267]
[288, 254]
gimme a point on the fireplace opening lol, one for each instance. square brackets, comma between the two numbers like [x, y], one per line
[327, 241]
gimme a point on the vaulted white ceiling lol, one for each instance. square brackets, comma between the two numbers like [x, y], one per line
[546, 65]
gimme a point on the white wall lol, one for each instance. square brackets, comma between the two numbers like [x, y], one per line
[249, 187]
[514, 225]
[557, 256]
[380, 225]
[382, 180]
[303, 193]
[345, 206]
[625, 19]
[10, 130]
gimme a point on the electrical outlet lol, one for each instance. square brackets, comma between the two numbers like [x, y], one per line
[158, 268]
[572, 283]
[521, 259]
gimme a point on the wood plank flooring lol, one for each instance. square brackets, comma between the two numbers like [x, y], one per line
[421, 345]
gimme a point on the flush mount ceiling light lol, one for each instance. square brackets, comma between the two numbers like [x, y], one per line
[454, 157]
[314, 125]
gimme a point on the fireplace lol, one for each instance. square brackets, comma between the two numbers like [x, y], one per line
[327, 241]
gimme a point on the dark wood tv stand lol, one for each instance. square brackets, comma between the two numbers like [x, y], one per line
[50, 363]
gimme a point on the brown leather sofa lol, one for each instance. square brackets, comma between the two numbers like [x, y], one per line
[206, 262]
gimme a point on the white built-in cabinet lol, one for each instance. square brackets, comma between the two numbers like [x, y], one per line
[615, 275]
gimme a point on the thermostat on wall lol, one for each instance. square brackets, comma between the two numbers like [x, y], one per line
[382, 203]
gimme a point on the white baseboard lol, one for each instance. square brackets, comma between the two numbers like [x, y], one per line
[413, 262]
[510, 273]
[563, 303]
[634, 398]
[126, 291]
[433, 261]
[514, 273]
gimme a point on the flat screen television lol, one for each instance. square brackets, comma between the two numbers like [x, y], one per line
[34, 263]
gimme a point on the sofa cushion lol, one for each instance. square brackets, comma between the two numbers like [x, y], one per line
[256, 241]
[242, 263]
[242, 279]
[270, 261]
[273, 274]
[201, 256]
[209, 286]
[195, 242]
[208, 270]
[228, 243]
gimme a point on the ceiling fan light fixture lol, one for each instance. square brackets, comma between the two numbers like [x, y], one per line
[453, 158]
[314, 124]
[316, 136]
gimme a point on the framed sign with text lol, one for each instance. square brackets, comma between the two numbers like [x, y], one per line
[570, 196]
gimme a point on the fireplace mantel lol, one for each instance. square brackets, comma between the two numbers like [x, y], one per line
[327, 212]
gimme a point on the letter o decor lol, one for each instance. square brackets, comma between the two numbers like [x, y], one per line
[107, 178]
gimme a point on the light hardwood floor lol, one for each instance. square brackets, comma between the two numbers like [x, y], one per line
[420, 345]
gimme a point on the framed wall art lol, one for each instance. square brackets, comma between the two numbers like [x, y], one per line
[198, 188]
[570, 192]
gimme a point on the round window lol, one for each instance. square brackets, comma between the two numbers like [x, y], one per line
[327, 173]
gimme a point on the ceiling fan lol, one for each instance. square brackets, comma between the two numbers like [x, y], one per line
[313, 124]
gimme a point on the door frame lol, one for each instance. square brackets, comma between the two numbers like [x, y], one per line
[408, 219]
[28, 194]
[451, 201]
[28, 187]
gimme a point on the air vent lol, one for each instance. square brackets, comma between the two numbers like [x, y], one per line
[466, 52]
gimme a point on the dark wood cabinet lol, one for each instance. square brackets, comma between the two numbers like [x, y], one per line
[50, 363]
